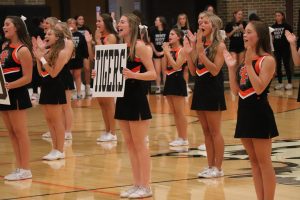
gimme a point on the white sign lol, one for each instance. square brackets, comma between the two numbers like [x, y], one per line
[4, 97]
[109, 62]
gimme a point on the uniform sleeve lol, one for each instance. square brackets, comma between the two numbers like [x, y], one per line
[228, 28]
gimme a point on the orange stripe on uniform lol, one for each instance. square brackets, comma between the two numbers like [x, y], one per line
[11, 69]
[201, 71]
[14, 55]
[136, 69]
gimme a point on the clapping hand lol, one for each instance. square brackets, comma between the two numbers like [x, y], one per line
[229, 60]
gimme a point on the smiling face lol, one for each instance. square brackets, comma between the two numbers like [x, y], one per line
[123, 27]
[9, 29]
[250, 36]
[50, 38]
[206, 26]
[100, 24]
[200, 20]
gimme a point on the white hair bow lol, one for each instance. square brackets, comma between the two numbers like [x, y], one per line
[143, 26]
[23, 18]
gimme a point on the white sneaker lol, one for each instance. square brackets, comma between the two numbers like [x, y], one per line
[203, 172]
[129, 191]
[107, 137]
[279, 86]
[179, 142]
[68, 136]
[47, 135]
[288, 86]
[34, 96]
[213, 173]
[76, 96]
[54, 155]
[19, 174]
[141, 192]
[202, 147]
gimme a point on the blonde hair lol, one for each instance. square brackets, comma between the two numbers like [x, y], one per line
[187, 21]
[57, 47]
[52, 21]
[133, 22]
[65, 29]
[215, 36]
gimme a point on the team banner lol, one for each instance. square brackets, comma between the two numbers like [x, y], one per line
[4, 98]
[109, 62]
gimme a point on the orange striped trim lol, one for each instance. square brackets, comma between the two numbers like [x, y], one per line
[14, 53]
[136, 59]
[44, 73]
[202, 71]
[171, 71]
[136, 69]
[11, 70]
[246, 93]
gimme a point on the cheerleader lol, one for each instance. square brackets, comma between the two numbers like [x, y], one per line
[16, 64]
[208, 99]
[67, 79]
[175, 86]
[106, 34]
[132, 110]
[256, 124]
[184, 25]
[53, 96]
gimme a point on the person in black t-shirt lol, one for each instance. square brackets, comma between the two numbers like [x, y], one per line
[86, 63]
[158, 36]
[234, 31]
[81, 53]
[282, 50]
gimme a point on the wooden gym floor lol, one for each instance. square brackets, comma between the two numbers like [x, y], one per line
[100, 170]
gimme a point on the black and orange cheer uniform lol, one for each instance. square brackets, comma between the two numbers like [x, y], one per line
[255, 118]
[52, 89]
[67, 77]
[208, 89]
[134, 105]
[175, 83]
[12, 70]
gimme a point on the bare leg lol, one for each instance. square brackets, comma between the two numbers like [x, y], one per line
[125, 128]
[138, 131]
[214, 124]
